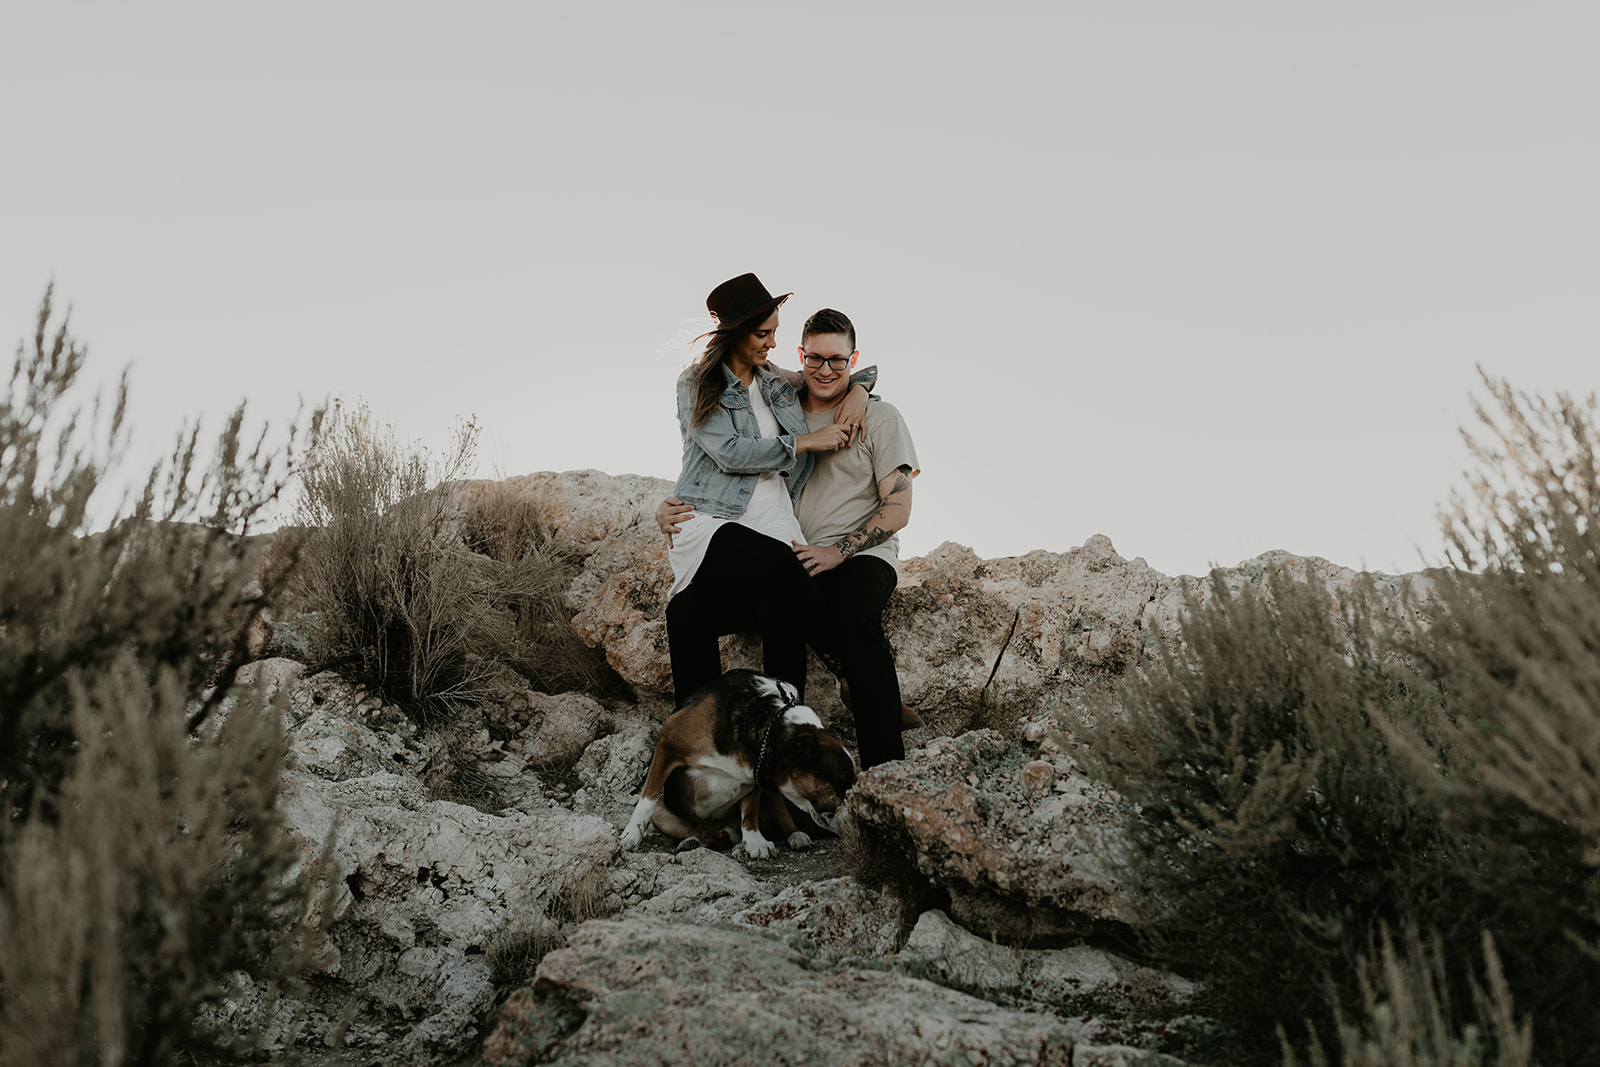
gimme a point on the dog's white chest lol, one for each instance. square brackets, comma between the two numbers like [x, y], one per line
[717, 785]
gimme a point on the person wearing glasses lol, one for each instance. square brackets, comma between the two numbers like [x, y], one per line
[748, 451]
[851, 508]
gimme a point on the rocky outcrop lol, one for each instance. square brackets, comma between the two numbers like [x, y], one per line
[959, 624]
[424, 888]
[430, 897]
[499, 828]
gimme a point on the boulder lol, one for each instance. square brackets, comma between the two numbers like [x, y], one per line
[714, 958]
[1018, 865]
[1080, 980]
[563, 727]
[650, 990]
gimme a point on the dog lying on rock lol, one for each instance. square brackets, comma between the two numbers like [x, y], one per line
[739, 739]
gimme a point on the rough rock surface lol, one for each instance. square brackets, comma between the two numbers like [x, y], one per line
[428, 893]
[1020, 865]
[426, 887]
[1077, 980]
[649, 991]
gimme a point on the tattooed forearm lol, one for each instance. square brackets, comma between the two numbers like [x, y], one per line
[879, 527]
[862, 537]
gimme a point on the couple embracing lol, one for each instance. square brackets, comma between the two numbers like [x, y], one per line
[784, 518]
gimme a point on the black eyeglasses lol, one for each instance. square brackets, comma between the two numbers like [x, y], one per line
[834, 362]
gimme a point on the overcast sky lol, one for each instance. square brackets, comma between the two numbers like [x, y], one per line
[1210, 279]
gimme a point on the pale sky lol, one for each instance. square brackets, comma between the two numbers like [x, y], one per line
[1210, 279]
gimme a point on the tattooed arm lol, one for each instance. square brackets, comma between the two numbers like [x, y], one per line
[894, 511]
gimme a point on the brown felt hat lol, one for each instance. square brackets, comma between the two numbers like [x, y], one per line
[738, 301]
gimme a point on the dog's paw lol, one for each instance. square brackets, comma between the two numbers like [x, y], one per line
[758, 847]
[799, 840]
[632, 836]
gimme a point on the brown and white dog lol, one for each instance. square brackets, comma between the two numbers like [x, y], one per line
[739, 738]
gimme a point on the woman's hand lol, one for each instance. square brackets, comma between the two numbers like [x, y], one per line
[830, 438]
[852, 412]
[671, 516]
[817, 559]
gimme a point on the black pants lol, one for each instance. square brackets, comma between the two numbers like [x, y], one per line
[748, 581]
[855, 593]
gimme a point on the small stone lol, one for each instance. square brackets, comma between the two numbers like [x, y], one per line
[1038, 777]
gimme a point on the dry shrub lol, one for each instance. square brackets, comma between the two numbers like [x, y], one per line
[1305, 783]
[425, 605]
[404, 606]
[1514, 753]
[141, 855]
[867, 855]
[166, 869]
[584, 895]
[1519, 641]
[515, 954]
[1274, 824]
[506, 527]
[1404, 1015]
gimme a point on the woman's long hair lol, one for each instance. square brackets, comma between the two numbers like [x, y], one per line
[709, 381]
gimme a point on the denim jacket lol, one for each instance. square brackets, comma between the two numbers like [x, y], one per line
[723, 456]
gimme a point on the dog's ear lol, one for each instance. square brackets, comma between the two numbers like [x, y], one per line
[802, 746]
[838, 765]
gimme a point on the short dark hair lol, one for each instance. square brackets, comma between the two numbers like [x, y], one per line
[829, 321]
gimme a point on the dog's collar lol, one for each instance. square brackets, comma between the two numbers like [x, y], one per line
[764, 779]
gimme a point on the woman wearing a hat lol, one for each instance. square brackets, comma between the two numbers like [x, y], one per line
[746, 456]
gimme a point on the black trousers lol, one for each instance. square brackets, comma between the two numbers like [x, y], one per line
[855, 594]
[747, 582]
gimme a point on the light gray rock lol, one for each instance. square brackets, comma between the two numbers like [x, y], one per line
[611, 770]
[1080, 980]
[426, 888]
[273, 677]
[1022, 842]
[652, 991]
[701, 886]
[661, 992]
[563, 726]
[836, 920]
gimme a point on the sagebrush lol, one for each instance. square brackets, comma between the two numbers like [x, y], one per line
[405, 605]
[142, 858]
[1309, 776]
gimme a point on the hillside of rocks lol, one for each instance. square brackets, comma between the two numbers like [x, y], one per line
[1001, 931]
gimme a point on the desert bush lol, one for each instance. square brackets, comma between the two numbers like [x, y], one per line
[1513, 755]
[140, 853]
[1518, 638]
[404, 605]
[1275, 830]
[1404, 1015]
[502, 524]
[514, 954]
[163, 872]
[1306, 780]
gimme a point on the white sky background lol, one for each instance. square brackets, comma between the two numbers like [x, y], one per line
[1209, 279]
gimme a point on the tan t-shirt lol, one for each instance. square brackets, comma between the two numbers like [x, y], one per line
[842, 492]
